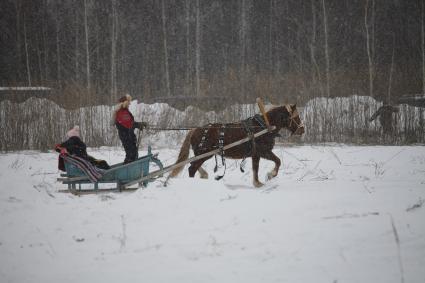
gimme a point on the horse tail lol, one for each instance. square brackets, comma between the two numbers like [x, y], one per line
[183, 155]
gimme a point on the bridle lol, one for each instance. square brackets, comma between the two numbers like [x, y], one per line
[292, 116]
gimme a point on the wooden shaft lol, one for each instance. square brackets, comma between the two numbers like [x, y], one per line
[263, 111]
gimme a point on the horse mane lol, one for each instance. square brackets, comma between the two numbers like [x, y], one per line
[277, 108]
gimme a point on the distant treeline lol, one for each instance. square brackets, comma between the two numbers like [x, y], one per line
[93, 51]
[40, 123]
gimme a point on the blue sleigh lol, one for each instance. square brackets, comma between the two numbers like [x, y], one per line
[123, 175]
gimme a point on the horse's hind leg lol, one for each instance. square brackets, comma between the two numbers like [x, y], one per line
[271, 156]
[255, 164]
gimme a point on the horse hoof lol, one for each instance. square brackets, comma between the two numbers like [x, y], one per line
[271, 175]
[258, 184]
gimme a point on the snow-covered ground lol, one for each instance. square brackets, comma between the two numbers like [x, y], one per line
[334, 214]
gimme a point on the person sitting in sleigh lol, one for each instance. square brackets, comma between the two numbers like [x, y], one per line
[74, 146]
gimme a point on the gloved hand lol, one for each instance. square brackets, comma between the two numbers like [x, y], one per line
[141, 125]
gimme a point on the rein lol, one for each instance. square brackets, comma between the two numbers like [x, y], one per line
[155, 128]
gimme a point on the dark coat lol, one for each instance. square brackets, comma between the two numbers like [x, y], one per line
[128, 140]
[75, 146]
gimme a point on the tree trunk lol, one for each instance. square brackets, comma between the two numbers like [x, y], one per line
[188, 60]
[423, 46]
[315, 70]
[58, 55]
[46, 51]
[113, 50]
[243, 48]
[391, 72]
[77, 66]
[421, 115]
[86, 31]
[18, 41]
[40, 69]
[325, 26]
[165, 46]
[368, 49]
[198, 49]
[27, 59]
[272, 7]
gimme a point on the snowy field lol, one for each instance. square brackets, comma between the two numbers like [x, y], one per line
[333, 214]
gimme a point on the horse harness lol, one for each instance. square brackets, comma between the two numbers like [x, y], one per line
[249, 125]
[220, 146]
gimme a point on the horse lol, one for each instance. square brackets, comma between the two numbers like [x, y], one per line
[213, 136]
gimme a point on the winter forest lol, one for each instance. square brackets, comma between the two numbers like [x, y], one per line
[92, 51]
[214, 54]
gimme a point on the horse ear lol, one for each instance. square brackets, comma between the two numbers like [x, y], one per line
[293, 106]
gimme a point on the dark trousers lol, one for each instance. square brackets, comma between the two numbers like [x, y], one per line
[128, 140]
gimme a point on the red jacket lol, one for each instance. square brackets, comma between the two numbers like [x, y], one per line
[125, 118]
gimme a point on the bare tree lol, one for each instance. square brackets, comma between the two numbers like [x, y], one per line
[391, 72]
[369, 28]
[77, 43]
[58, 53]
[421, 114]
[165, 46]
[271, 18]
[27, 58]
[86, 31]
[18, 38]
[187, 28]
[325, 26]
[198, 49]
[423, 45]
[40, 69]
[243, 37]
[315, 71]
[44, 35]
[114, 35]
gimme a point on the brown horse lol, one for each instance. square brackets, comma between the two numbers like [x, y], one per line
[208, 138]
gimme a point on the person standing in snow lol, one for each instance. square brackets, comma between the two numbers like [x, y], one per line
[385, 114]
[124, 121]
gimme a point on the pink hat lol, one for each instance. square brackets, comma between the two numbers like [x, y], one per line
[74, 132]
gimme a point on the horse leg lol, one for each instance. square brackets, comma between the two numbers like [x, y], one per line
[255, 163]
[203, 173]
[195, 166]
[271, 156]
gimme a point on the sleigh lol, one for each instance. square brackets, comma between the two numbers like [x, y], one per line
[123, 175]
[136, 172]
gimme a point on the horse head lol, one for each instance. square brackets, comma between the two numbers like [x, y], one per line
[286, 116]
